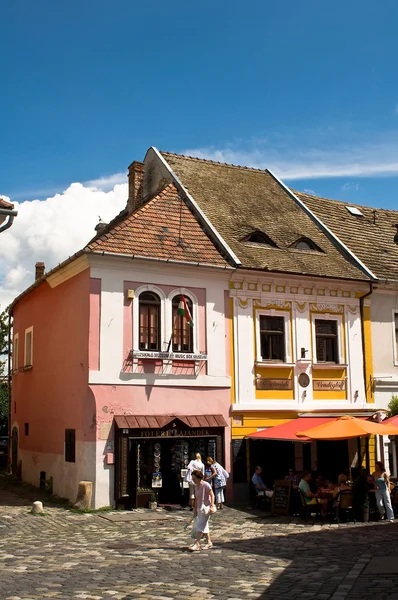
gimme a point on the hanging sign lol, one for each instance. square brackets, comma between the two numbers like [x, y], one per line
[168, 355]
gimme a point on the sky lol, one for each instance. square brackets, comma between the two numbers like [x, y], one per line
[306, 89]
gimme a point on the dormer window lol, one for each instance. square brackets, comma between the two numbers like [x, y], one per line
[258, 237]
[306, 244]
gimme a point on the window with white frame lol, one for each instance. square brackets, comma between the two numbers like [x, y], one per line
[182, 325]
[149, 322]
[273, 339]
[396, 337]
[15, 353]
[328, 340]
[28, 352]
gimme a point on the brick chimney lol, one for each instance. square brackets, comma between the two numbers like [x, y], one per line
[136, 176]
[40, 267]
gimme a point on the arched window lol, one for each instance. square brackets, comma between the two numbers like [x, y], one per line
[149, 318]
[182, 328]
[306, 244]
[258, 237]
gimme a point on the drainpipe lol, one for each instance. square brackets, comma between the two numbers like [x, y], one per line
[361, 307]
[9, 393]
[11, 214]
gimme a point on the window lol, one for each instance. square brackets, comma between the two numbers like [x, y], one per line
[15, 352]
[26, 428]
[272, 338]
[258, 237]
[182, 330]
[149, 322]
[306, 244]
[396, 336]
[28, 354]
[326, 340]
[70, 445]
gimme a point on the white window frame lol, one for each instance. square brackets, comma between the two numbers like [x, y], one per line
[28, 330]
[394, 337]
[195, 312]
[288, 343]
[15, 354]
[136, 315]
[328, 317]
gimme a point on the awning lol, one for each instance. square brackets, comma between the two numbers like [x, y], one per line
[391, 421]
[160, 421]
[287, 431]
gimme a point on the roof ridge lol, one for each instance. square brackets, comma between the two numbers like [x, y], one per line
[213, 162]
[390, 210]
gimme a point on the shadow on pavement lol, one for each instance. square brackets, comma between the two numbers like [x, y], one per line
[316, 562]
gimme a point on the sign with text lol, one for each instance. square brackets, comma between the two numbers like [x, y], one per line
[281, 497]
[274, 384]
[329, 385]
[168, 355]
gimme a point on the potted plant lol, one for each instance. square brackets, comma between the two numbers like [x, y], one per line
[143, 496]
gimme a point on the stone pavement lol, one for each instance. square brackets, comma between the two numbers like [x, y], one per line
[64, 555]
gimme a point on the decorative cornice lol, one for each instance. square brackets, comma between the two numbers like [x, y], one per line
[327, 308]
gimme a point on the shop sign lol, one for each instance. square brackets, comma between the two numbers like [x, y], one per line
[168, 355]
[329, 385]
[148, 433]
[274, 384]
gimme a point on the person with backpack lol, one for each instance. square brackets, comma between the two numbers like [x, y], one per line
[219, 478]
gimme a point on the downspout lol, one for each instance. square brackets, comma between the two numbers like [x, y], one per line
[9, 394]
[361, 307]
[11, 214]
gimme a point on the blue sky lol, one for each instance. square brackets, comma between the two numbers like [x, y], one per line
[309, 89]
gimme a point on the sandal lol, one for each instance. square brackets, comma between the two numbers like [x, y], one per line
[194, 548]
[207, 546]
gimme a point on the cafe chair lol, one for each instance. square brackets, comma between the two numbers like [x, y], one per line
[344, 505]
[259, 499]
[308, 509]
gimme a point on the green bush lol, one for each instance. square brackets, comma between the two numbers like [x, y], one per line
[393, 406]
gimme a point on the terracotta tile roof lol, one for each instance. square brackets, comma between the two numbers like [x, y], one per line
[5, 204]
[162, 228]
[370, 237]
[240, 200]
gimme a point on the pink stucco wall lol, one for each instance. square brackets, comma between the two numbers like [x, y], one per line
[161, 400]
[95, 324]
[51, 396]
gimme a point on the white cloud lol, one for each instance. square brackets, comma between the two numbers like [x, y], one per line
[51, 230]
[309, 191]
[107, 183]
[350, 186]
[323, 154]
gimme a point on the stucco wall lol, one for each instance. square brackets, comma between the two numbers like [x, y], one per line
[51, 397]
[385, 363]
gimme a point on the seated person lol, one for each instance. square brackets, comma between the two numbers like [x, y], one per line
[341, 485]
[291, 476]
[310, 497]
[259, 485]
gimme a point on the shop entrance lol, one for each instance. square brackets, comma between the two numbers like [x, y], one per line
[160, 464]
[332, 458]
[152, 454]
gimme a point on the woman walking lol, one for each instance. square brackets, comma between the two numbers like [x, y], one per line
[383, 498]
[219, 481]
[195, 465]
[203, 508]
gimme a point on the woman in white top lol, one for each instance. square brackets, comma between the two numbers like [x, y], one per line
[195, 465]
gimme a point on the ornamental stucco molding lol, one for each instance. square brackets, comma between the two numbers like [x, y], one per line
[327, 308]
[271, 302]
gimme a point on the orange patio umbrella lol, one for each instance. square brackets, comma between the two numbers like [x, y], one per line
[346, 427]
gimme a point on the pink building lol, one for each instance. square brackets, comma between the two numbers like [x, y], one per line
[111, 384]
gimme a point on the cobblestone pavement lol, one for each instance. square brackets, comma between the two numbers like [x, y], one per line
[64, 555]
